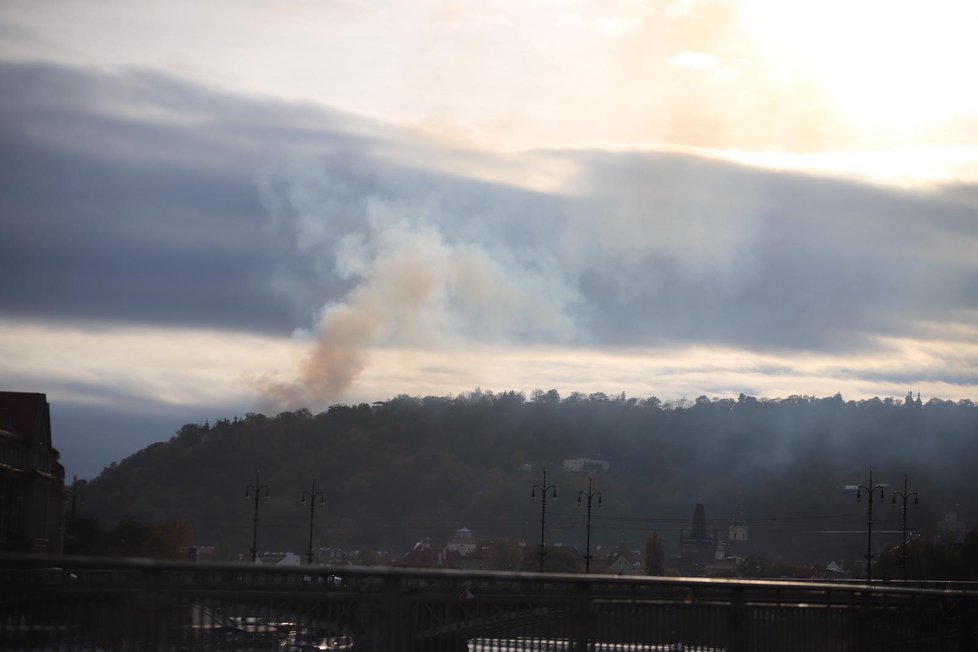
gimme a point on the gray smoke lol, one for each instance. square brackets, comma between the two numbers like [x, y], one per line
[633, 250]
[420, 273]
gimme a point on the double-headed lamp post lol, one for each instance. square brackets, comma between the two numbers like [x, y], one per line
[312, 494]
[590, 495]
[904, 495]
[257, 490]
[871, 490]
[545, 489]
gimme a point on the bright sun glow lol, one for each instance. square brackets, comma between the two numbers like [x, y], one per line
[884, 66]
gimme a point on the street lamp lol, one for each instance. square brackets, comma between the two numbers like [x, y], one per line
[871, 490]
[905, 496]
[312, 494]
[590, 495]
[72, 521]
[257, 489]
[544, 489]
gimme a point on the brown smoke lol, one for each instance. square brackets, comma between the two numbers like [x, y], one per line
[336, 358]
[401, 297]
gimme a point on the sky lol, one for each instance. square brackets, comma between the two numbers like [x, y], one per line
[208, 209]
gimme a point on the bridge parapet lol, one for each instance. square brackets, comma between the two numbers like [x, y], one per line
[88, 603]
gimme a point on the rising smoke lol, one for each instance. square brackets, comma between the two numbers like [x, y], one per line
[633, 250]
[421, 274]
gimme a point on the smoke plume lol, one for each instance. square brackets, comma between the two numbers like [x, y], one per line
[414, 281]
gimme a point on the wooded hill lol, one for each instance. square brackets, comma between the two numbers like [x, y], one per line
[395, 472]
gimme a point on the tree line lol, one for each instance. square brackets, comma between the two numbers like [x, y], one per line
[396, 471]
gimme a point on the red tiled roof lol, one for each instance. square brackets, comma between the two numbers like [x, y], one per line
[420, 558]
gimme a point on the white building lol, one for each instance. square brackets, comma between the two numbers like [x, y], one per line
[463, 542]
[737, 532]
[586, 465]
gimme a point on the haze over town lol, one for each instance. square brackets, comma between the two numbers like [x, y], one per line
[211, 209]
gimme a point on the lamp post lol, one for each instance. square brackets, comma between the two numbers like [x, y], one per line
[871, 490]
[590, 495]
[544, 490]
[312, 494]
[72, 520]
[257, 489]
[905, 495]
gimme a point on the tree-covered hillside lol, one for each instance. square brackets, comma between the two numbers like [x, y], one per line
[398, 471]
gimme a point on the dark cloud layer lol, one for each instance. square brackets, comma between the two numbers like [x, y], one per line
[136, 197]
[764, 259]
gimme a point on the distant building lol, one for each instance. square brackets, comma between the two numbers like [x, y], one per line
[697, 550]
[737, 532]
[32, 480]
[720, 553]
[200, 553]
[738, 537]
[951, 530]
[621, 562]
[425, 555]
[478, 559]
[463, 542]
[500, 555]
[331, 556]
[278, 559]
[586, 465]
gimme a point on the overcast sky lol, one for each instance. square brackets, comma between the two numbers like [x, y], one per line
[214, 208]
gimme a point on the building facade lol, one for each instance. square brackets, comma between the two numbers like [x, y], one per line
[32, 480]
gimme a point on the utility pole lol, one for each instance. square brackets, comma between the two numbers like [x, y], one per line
[312, 494]
[257, 489]
[544, 489]
[871, 490]
[905, 496]
[590, 496]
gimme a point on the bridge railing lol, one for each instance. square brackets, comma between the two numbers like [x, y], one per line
[75, 603]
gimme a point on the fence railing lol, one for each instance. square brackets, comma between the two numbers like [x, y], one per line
[75, 603]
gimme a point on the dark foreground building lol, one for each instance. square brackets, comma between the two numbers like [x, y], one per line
[32, 480]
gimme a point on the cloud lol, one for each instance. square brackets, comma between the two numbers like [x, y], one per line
[606, 25]
[112, 365]
[116, 388]
[432, 259]
[639, 249]
[133, 197]
[137, 198]
[694, 61]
